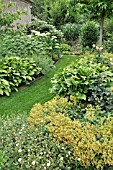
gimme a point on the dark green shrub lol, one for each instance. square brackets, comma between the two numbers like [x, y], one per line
[71, 31]
[108, 44]
[89, 79]
[15, 71]
[89, 34]
[108, 28]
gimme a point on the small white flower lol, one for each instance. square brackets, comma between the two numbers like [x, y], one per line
[17, 144]
[19, 159]
[33, 163]
[62, 147]
[28, 154]
[61, 159]
[111, 59]
[29, 36]
[79, 159]
[69, 152]
[94, 45]
[20, 133]
[20, 150]
[48, 164]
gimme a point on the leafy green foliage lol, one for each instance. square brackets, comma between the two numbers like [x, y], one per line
[71, 31]
[57, 12]
[7, 18]
[15, 71]
[99, 10]
[26, 147]
[35, 44]
[88, 79]
[108, 44]
[89, 34]
[66, 49]
[90, 139]
[44, 27]
[38, 91]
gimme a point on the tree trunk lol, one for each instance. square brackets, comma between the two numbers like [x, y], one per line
[101, 31]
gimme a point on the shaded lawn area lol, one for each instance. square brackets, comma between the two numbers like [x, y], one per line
[23, 100]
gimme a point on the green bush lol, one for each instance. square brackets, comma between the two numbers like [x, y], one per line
[108, 28]
[44, 27]
[89, 79]
[65, 48]
[71, 31]
[89, 34]
[108, 44]
[21, 44]
[90, 139]
[15, 71]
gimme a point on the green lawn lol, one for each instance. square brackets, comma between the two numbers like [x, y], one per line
[23, 100]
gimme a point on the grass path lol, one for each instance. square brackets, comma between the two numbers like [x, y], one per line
[23, 100]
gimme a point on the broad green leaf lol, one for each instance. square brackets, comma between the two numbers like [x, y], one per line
[1, 92]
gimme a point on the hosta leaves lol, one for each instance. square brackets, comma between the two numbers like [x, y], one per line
[16, 70]
[5, 82]
[1, 92]
[82, 78]
[6, 92]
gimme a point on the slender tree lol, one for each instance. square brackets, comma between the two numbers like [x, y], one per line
[99, 10]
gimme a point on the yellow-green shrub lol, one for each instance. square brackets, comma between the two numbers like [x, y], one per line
[92, 144]
[56, 105]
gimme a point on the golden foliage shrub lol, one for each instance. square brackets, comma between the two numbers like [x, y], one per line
[92, 144]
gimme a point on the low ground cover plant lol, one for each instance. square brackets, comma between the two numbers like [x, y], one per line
[26, 147]
[90, 140]
[15, 71]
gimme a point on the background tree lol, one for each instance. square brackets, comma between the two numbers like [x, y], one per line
[57, 12]
[99, 10]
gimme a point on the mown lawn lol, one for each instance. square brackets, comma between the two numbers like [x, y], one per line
[23, 100]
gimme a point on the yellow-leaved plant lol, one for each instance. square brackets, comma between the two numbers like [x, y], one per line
[92, 144]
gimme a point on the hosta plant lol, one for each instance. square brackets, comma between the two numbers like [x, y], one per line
[36, 44]
[15, 71]
[88, 79]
